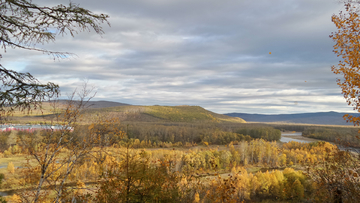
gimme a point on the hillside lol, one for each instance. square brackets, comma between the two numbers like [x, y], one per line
[49, 108]
[131, 113]
[165, 114]
[324, 118]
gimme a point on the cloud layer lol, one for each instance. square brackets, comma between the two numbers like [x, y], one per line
[210, 53]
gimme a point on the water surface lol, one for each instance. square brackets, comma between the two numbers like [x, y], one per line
[295, 136]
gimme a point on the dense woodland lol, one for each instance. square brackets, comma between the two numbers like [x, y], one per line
[224, 133]
[206, 161]
[200, 133]
[180, 134]
[175, 162]
[247, 168]
[344, 136]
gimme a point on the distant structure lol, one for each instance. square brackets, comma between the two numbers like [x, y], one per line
[31, 128]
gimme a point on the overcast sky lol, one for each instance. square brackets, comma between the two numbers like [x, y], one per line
[209, 53]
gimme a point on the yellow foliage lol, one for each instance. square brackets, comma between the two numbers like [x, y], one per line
[347, 43]
[11, 168]
[7, 153]
[288, 170]
[297, 190]
[80, 187]
[197, 198]
[14, 199]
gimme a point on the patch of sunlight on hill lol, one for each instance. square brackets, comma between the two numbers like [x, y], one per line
[180, 113]
[187, 114]
[233, 120]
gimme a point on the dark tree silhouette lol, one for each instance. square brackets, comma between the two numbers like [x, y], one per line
[24, 25]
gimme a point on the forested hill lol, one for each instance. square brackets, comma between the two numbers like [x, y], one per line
[126, 112]
[324, 118]
[165, 113]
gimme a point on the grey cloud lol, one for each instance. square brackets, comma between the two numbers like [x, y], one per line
[204, 52]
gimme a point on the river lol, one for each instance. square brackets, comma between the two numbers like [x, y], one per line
[295, 136]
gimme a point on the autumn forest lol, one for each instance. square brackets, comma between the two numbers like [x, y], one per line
[114, 160]
[56, 150]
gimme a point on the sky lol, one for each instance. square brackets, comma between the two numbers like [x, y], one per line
[209, 53]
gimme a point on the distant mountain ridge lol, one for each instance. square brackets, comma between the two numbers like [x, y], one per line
[100, 104]
[322, 118]
[105, 104]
